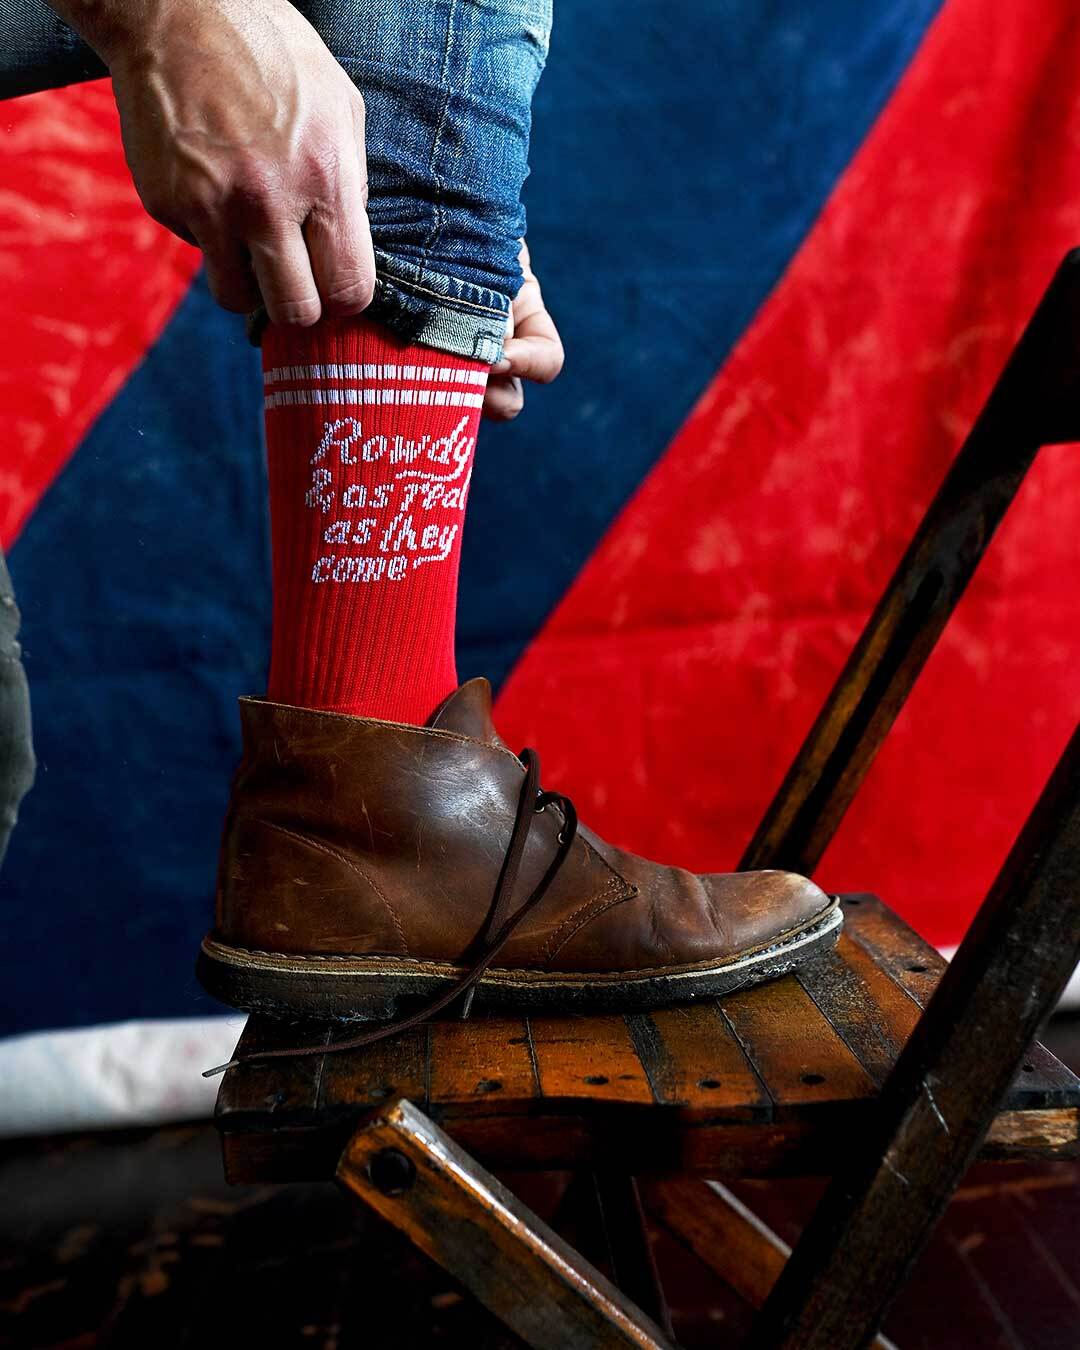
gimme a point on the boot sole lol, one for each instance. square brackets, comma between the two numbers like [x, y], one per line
[377, 988]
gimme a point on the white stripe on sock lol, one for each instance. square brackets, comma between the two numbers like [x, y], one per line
[452, 398]
[438, 374]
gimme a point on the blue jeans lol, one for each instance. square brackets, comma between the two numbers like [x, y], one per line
[448, 88]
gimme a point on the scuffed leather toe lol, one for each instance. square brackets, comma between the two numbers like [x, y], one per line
[762, 906]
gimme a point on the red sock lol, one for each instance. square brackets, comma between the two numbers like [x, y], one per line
[370, 447]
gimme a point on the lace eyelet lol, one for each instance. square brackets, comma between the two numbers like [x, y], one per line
[561, 836]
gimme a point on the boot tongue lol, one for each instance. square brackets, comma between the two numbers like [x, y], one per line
[467, 711]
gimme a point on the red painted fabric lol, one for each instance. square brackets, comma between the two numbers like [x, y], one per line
[370, 444]
[670, 689]
[89, 281]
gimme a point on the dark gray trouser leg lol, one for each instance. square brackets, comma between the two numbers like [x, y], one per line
[16, 743]
[39, 51]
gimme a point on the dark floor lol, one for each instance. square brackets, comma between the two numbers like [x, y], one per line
[133, 1239]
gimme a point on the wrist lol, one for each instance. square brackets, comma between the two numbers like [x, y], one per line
[118, 30]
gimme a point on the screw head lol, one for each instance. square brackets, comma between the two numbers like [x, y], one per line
[391, 1172]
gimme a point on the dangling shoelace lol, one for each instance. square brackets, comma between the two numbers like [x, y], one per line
[496, 931]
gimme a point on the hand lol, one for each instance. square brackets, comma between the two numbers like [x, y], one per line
[246, 138]
[532, 351]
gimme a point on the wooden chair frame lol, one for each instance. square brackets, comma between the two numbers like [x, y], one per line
[1012, 965]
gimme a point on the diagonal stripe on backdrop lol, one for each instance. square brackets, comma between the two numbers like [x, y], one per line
[89, 281]
[671, 687]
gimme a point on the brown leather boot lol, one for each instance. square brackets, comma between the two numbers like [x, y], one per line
[364, 861]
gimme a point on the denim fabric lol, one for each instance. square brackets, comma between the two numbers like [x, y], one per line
[448, 87]
[16, 745]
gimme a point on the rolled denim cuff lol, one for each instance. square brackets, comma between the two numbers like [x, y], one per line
[430, 308]
[439, 310]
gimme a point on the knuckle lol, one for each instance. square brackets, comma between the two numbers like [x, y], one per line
[255, 193]
[349, 295]
[199, 198]
[301, 313]
[322, 169]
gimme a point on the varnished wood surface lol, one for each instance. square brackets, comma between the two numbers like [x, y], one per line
[941, 1097]
[415, 1176]
[765, 1081]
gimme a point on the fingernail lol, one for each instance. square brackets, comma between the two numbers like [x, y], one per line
[501, 367]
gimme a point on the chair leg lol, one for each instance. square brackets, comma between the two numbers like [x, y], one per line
[719, 1229]
[417, 1178]
[942, 1095]
[725, 1235]
[632, 1260]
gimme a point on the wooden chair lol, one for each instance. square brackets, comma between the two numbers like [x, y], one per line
[877, 1065]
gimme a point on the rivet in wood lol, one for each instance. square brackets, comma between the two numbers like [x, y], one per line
[391, 1172]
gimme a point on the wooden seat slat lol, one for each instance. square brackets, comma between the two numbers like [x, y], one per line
[353, 1081]
[482, 1065]
[589, 1058]
[798, 1056]
[898, 949]
[870, 1012]
[278, 1089]
[1043, 1083]
[694, 1061]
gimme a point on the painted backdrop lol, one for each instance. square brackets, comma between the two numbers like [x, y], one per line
[789, 247]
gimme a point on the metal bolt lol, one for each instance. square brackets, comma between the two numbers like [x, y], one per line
[391, 1172]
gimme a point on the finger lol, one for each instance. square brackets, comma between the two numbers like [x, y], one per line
[283, 271]
[504, 398]
[530, 312]
[533, 349]
[229, 275]
[536, 357]
[341, 252]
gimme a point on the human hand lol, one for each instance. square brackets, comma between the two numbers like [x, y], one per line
[532, 351]
[246, 138]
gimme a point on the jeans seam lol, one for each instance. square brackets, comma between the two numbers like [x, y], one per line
[438, 215]
[448, 300]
